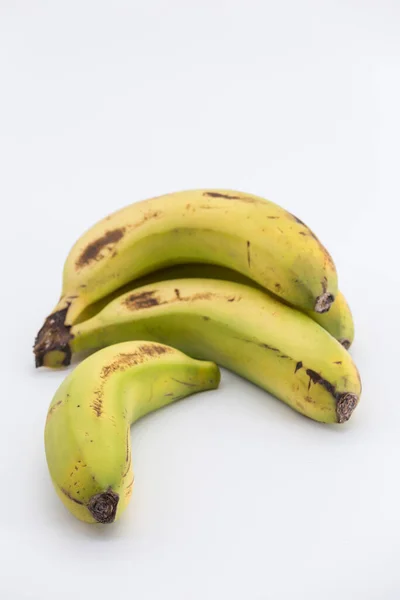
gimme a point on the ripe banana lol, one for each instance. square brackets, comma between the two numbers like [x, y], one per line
[236, 230]
[338, 321]
[87, 433]
[241, 328]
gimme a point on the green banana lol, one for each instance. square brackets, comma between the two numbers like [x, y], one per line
[233, 229]
[338, 321]
[87, 433]
[241, 328]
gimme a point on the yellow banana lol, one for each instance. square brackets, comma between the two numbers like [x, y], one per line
[338, 321]
[87, 433]
[240, 231]
[241, 328]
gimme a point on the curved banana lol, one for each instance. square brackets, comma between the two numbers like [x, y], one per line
[243, 329]
[87, 433]
[338, 321]
[236, 230]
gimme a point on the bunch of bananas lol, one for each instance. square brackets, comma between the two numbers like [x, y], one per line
[163, 286]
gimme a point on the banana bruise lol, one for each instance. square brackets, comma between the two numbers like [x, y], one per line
[338, 321]
[240, 231]
[87, 432]
[241, 328]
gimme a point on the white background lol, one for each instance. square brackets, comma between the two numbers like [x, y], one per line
[105, 103]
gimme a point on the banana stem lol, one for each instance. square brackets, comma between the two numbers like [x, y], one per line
[52, 342]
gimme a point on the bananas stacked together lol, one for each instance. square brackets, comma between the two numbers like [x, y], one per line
[162, 287]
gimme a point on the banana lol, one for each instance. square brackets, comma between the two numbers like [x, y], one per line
[240, 231]
[87, 432]
[241, 328]
[338, 321]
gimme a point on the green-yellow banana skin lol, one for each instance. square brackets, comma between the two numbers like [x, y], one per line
[243, 329]
[240, 231]
[338, 321]
[87, 432]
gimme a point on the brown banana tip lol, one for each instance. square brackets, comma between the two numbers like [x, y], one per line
[345, 343]
[346, 403]
[323, 302]
[53, 336]
[103, 506]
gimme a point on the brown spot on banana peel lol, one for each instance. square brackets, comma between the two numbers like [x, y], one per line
[153, 349]
[247, 199]
[248, 253]
[127, 445]
[260, 344]
[298, 220]
[308, 230]
[316, 378]
[121, 363]
[148, 299]
[126, 360]
[266, 346]
[183, 382]
[54, 335]
[328, 260]
[97, 404]
[142, 300]
[53, 408]
[298, 366]
[203, 296]
[92, 252]
[128, 489]
[219, 195]
[129, 462]
[66, 493]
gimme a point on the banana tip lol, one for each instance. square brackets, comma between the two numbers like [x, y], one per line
[345, 343]
[346, 403]
[103, 506]
[323, 302]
